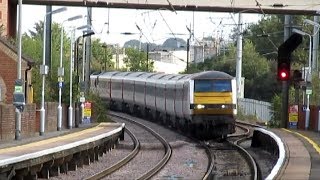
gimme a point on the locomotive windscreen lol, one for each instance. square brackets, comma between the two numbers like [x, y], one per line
[223, 85]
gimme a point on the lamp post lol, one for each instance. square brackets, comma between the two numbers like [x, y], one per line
[82, 99]
[307, 77]
[61, 72]
[18, 113]
[70, 117]
[44, 70]
[315, 40]
[315, 35]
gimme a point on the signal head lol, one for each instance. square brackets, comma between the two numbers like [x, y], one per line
[284, 72]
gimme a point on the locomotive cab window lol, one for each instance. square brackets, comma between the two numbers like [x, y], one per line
[212, 86]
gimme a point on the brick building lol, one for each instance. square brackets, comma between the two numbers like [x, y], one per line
[8, 72]
[8, 16]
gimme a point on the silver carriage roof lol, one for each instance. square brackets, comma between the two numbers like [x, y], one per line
[211, 75]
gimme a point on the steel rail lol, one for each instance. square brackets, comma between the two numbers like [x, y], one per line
[122, 162]
[208, 174]
[252, 163]
[168, 149]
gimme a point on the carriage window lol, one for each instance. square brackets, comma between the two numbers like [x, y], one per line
[212, 86]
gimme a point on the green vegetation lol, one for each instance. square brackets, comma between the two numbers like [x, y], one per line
[137, 61]
[99, 108]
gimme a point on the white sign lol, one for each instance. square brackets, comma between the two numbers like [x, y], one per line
[309, 91]
[82, 99]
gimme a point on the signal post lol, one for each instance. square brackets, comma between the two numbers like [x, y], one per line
[283, 72]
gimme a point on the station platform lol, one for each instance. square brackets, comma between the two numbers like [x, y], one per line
[56, 147]
[302, 159]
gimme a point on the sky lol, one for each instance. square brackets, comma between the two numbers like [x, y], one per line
[156, 25]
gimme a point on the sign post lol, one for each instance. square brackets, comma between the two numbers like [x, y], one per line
[87, 113]
[293, 116]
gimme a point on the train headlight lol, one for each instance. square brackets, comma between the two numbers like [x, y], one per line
[200, 106]
[223, 106]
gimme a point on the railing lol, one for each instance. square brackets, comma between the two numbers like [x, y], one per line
[262, 110]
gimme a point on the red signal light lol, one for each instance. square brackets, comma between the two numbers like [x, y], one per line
[283, 74]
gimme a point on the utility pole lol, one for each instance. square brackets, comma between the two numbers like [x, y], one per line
[88, 53]
[188, 46]
[147, 57]
[117, 57]
[239, 57]
[188, 49]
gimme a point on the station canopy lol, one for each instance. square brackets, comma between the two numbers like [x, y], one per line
[298, 7]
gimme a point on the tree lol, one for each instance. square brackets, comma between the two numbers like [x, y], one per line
[137, 61]
[101, 56]
[32, 44]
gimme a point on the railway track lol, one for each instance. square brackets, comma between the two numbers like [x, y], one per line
[234, 156]
[122, 162]
[137, 147]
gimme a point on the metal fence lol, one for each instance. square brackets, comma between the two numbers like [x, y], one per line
[260, 109]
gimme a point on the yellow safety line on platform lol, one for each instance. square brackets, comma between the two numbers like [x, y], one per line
[314, 144]
[51, 140]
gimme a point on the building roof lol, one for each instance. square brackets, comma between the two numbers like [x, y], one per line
[14, 49]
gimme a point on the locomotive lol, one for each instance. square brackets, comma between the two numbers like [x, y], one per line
[202, 104]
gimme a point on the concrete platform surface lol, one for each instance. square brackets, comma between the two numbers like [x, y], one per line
[26, 149]
[302, 154]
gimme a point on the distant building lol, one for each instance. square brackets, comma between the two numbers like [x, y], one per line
[207, 48]
[175, 61]
[171, 62]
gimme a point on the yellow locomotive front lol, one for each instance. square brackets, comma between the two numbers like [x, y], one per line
[213, 106]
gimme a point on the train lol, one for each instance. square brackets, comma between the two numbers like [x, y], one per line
[201, 104]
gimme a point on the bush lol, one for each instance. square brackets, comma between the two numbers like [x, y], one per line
[99, 108]
[276, 112]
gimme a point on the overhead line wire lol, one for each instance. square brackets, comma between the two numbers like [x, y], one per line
[167, 25]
